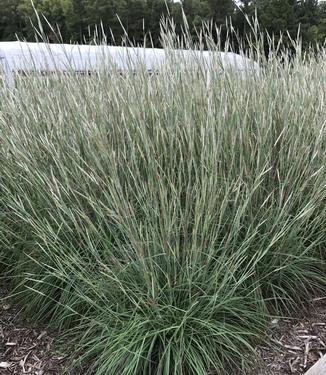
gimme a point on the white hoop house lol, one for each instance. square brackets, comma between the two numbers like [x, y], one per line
[23, 57]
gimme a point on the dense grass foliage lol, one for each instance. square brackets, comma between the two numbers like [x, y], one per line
[161, 219]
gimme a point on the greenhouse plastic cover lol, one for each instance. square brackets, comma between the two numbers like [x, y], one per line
[43, 57]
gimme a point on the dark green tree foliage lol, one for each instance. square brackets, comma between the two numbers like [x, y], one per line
[75, 18]
[244, 9]
[78, 19]
[286, 17]
[220, 10]
[309, 20]
[279, 16]
[10, 20]
[320, 30]
[52, 10]
[105, 12]
[134, 16]
[155, 10]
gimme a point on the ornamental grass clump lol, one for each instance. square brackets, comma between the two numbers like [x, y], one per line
[161, 219]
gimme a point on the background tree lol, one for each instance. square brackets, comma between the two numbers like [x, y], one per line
[77, 19]
[11, 22]
[51, 9]
[220, 10]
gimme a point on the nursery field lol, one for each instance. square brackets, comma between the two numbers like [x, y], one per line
[161, 222]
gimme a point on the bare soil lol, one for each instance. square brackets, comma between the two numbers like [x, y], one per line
[298, 342]
[24, 348]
